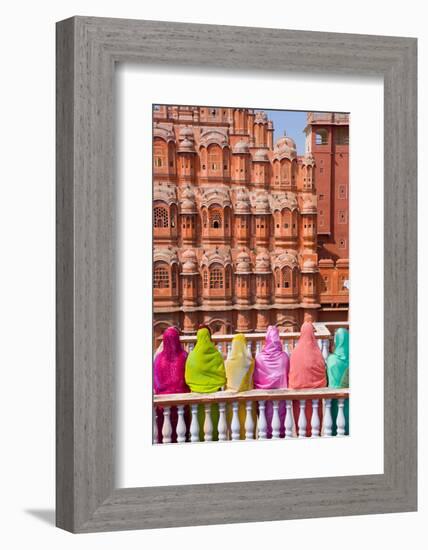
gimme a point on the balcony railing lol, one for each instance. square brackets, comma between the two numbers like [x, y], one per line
[268, 414]
[170, 411]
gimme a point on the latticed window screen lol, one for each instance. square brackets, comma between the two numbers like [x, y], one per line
[216, 278]
[215, 219]
[205, 279]
[161, 278]
[160, 217]
[286, 277]
[214, 158]
[159, 155]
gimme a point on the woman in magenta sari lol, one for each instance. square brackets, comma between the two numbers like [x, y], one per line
[307, 371]
[168, 374]
[271, 372]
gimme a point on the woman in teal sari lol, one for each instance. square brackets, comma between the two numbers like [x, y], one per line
[205, 373]
[338, 374]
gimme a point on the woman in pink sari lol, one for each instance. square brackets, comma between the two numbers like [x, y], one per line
[271, 372]
[168, 374]
[307, 371]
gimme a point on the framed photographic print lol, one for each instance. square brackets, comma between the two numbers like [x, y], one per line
[236, 274]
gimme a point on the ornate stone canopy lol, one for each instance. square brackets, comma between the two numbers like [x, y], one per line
[187, 201]
[215, 195]
[165, 193]
[282, 259]
[165, 254]
[285, 147]
[241, 148]
[209, 136]
[163, 131]
[243, 262]
[242, 204]
[263, 262]
[216, 256]
[279, 201]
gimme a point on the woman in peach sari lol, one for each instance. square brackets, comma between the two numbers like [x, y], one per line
[307, 371]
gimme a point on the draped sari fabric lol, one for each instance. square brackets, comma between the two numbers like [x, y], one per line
[168, 373]
[239, 375]
[205, 373]
[271, 372]
[307, 371]
[338, 373]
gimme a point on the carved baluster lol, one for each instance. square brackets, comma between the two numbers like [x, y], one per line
[191, 346]
[166, 427]
[249, 421]
[340, 420]
[194, 425]
[155, 425]
[319, 341]
[286, 347]
[235, 426]
[208, 423]
[328, 421]
[302, 419]
[222, 422]
[258, 346]
[220, 347]
[325, 350]
[229, 347]
[276, 424]
[288, 419]
[262, 424]
[315, 419]
[181, 425]
[249, 347]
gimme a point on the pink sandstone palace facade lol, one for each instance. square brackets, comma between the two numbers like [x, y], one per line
[246, 233]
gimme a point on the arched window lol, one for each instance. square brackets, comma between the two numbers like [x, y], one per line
[161, 277]
[215, 219]
[214, 158]
[286, 277]
[216, 278]
[204, 218]
[321, 137]
[205, 278]
[159, 154]
[160, 217]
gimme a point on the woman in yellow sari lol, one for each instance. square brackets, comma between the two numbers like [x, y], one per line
[239, 374]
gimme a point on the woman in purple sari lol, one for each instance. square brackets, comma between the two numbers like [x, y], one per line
[271, 372]
[168, 374]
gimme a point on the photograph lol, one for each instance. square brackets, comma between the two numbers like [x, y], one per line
[251, 273]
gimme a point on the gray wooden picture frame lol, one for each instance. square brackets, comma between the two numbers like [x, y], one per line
[87, 51]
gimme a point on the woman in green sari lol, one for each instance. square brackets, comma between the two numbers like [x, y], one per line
[205, 373]
[338, 373]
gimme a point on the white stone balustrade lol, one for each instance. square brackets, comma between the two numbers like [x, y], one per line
[181, 420]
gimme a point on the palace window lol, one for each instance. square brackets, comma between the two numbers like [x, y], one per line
[321, 137]
[161, 278]
[204, 218]
[286, 278]
[159, 154]
[205, 278]
[215, 220]
[216, 278]
[214, 158]
[341, 135]
[160, 217]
